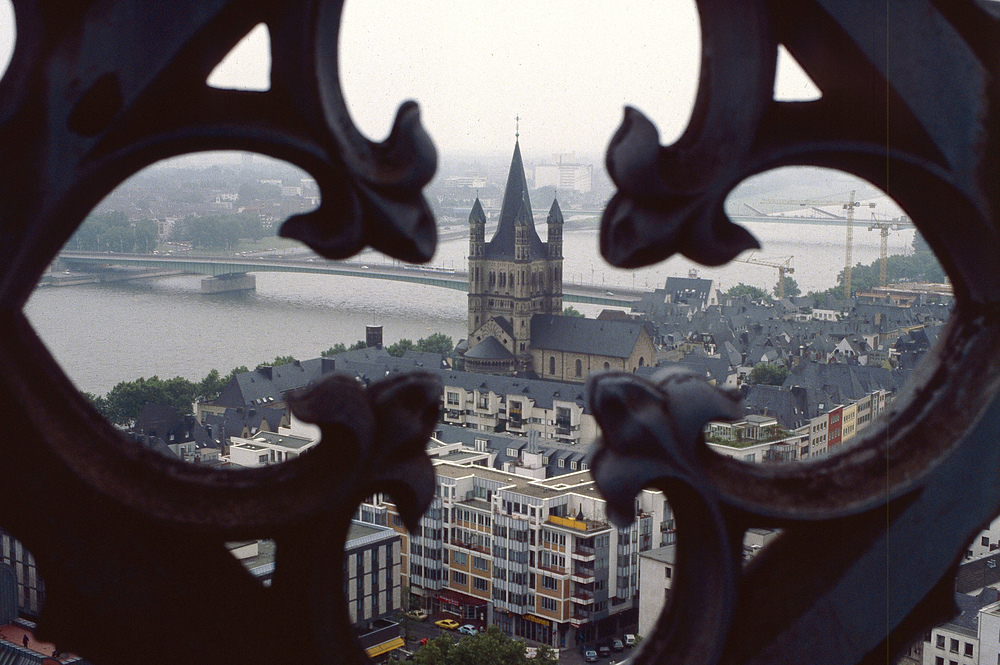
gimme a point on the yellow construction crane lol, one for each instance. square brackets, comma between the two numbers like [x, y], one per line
[851, 204]
[884, 226]
[782, 267]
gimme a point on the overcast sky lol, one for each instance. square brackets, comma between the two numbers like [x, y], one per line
[473, 65]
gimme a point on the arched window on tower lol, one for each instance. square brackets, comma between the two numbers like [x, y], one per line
[552, 364]
[641, 361]
[579, 367]
[607, 365]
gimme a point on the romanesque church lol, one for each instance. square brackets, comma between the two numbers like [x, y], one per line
[511, 278]
[515, 300]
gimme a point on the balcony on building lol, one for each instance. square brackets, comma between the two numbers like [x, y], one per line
[583, 550]
[578, 523]
[582, 595]
[582, 574]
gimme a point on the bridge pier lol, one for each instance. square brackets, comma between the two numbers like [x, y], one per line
[233, 282]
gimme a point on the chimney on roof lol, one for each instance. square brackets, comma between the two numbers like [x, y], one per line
[266, 370]
[327, 365]
[373, 336]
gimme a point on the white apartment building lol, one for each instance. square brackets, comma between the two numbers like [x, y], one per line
[536, 557]
[557, 411]
[267, 448]
[958, 641]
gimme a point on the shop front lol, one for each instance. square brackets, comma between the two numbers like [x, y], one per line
[466, 607]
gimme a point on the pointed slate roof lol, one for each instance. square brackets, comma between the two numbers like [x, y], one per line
[515, 211]
[555, 213]
[477, 212]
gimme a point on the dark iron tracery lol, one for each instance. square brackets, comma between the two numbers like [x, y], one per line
[98, 90]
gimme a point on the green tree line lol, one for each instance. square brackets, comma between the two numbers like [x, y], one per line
[112, 231]
[122, 404]
[920, 266]
[490, 647]
[219, 231]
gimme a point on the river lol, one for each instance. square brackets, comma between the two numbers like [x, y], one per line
[105, 333]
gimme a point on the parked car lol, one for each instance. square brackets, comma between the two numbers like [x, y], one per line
[468, 629]
[604, 650]
[590, 655]
[416, 615]
[629, 640]
[617, 645]
[448, 624]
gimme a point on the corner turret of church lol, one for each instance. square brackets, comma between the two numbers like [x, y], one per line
[477, 272]
[477, 230]
[555, 224]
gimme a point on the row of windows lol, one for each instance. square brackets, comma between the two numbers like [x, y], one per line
[429, 573]
[470, 516]
[953, 645]
[551, 560]
[554, 538]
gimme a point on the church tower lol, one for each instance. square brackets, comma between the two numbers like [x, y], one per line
[512, 277]
[477, 249]
[555, 224]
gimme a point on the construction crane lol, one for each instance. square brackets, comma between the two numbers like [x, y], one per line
[851, 204]
[884, 226]
[782, 267]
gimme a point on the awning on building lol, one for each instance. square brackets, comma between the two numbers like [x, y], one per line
[384, 647]
[457, 598]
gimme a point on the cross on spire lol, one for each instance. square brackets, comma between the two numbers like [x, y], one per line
[517, 126]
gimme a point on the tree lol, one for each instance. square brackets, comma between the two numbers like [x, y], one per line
[791, 288]
[436, 343]
[126, 399]
[435, 652]
[768, 374]
[278, 360]
[334, 350]
[98, 402]
[490, 647]
[742, 289]
[546, 654]
[572, 311]
[113, 231]
[399, 349]
[340, 348]
[213, 383]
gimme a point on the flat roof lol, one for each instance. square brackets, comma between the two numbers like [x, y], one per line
[665, 554]
[249, 446]
[284, 440]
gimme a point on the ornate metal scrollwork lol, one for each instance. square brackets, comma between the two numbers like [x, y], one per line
[124, 539]
[98, 90]
[871, 537]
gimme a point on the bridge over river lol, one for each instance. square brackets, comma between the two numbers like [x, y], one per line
[229, 273]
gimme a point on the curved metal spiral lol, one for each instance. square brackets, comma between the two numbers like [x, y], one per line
[99, 89]
[863, 562]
